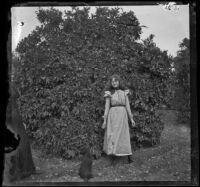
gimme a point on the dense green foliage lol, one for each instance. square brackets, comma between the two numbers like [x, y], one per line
[182, 81]
[64, 65]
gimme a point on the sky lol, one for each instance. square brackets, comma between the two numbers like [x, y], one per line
[168, 26]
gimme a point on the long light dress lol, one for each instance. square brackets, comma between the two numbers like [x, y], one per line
[117, 135]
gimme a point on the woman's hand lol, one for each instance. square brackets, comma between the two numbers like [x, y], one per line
[104, 125]
[104, 122]
[132, 123]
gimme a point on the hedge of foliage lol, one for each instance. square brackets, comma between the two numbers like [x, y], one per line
[64, 65]
[182, 82]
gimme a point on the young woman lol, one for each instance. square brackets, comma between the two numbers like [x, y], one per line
[117, 111]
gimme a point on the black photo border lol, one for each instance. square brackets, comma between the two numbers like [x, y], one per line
[6, 51]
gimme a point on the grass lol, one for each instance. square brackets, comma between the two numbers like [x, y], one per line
[169, 161]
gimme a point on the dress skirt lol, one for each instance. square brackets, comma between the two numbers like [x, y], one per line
[117, 135]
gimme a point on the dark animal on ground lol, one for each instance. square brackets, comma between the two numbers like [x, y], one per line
[85, 170]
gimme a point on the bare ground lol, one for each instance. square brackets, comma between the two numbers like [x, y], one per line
[170, 161]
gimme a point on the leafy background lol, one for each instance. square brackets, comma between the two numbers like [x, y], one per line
[63, 66]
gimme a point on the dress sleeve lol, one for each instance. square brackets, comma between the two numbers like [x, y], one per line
[107, 94]
[127, 92]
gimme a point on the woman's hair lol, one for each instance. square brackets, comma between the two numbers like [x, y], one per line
[109, 86]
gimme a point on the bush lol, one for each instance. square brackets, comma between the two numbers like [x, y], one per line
[64, 66]
[182, 81]
[148, 130]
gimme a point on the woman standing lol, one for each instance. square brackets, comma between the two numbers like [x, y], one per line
[117, 111]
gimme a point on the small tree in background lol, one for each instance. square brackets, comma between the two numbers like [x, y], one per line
[182, 81]
[64, 66]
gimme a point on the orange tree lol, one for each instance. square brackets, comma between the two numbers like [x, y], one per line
[64, 66]
[182, 81]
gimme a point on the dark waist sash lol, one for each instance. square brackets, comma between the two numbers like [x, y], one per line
[117, 105]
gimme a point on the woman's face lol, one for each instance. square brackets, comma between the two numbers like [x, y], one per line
[115, 83]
